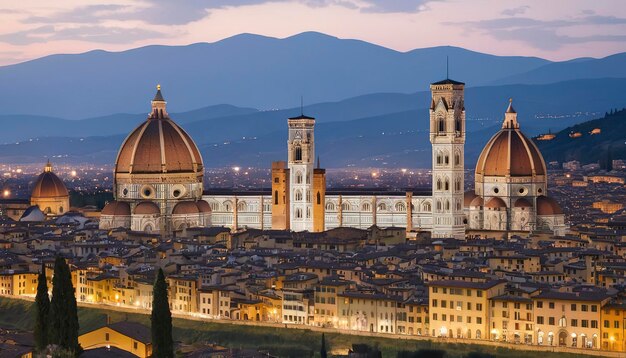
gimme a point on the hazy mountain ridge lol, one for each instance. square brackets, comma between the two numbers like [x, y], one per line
[244, 70]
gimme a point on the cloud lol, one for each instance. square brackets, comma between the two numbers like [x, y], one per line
[546, 34]
[396, 6]
[79, 15]
[516, 11]
[97, 34]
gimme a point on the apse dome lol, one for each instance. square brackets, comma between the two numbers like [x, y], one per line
[509, 153]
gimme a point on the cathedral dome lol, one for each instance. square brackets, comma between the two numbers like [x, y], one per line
[118, 208]
[478, 201]
[203, 206]
[548, 206]
[510, 153]
[158, 146]
[468, 197]
[496, 203]
[48, 185]
[522, 203]
[185, 207]
[147, 208]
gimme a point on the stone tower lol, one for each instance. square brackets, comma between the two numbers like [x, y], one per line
[447, 135]
[319, 198]
[280, 196]
[301, 149]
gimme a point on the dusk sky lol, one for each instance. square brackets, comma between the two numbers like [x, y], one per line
[556, 30]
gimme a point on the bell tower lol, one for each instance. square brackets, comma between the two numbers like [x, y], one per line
[447, 136]
[301, 149]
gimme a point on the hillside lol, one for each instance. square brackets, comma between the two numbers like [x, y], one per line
[589, 148]
[245, 70]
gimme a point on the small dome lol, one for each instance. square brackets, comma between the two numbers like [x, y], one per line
[33, 214]
[510, 153]
[158, 146]
[478, 201]
[496, 203]
[203, 206]
[118, 208]
[548, 206]
[185, 207]
[468, 197]
[48, 185]
[147, 208]
[522, 203]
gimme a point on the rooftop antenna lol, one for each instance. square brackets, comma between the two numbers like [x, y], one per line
[301, 105]
[447, 69]
[318, 162]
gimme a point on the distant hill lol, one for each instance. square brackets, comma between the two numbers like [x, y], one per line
[611, 66]
[245, 70]
[589, 148]
[542, 107]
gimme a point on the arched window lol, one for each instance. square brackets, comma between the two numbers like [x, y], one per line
[447, 205]
[297, 153]
[275, 197]
[457, 159]
[426, 207]
[319, 198]
[228, 206]
[439, 185]
[345, 206]
[330, 206]
[366, 207]
[457, 124]
[439, 159]
[298, 195]
[446, 159]
[308, 196]
[447, 186]
[299, 178]
[441, 125]
[298, 213]
[438, 205]
[308, 212]
[382, 207]
[400, 207]
[215, 206]
[242, 206]
[457, 185]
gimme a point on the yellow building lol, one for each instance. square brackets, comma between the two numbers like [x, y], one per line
[131, 337]
[512, 319]
[183, 293]
[326, 297]
[369, 311]
[569, 319]
[613, 329]
[214, 302]
[461, 309]
[18, 283]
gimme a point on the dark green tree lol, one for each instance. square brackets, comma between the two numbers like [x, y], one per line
[161, 319]
[323, 353]
[42, 310]
[63, 321]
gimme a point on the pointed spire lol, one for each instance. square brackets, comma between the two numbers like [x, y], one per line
[158, 105]
[510, 109]
[318, 162]
[158, 97]
[510, 117]
[447, 69]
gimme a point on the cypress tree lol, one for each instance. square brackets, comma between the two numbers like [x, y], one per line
[63, 323]
[323, 353]
[42, 309]
[161, 319]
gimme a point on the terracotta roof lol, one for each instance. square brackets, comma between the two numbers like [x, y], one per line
[203, 206]
[510, 153]
[158, 145]
[448, 81]
[147, 208]
[522, 203]
[495, 203]
[478, 201]
[548, 206]
[115, 207]
[468, 197]
[48, 185]
[185, 207]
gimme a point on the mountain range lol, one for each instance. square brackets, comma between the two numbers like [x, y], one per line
[233, 96]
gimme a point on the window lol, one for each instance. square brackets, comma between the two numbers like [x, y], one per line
[135, 345]
[574, 323]
[400, 207]
[594, 324]
[551, 321]
[106, 336]
[573, 307]
[298, 195]
[298, 178]
[584, 308]
[584, 323]
[616, 324]
[319, 198]
[441, 125]
[539, 319]
[539, 304]
[275, 197]
[297, 153]
[551, 305]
